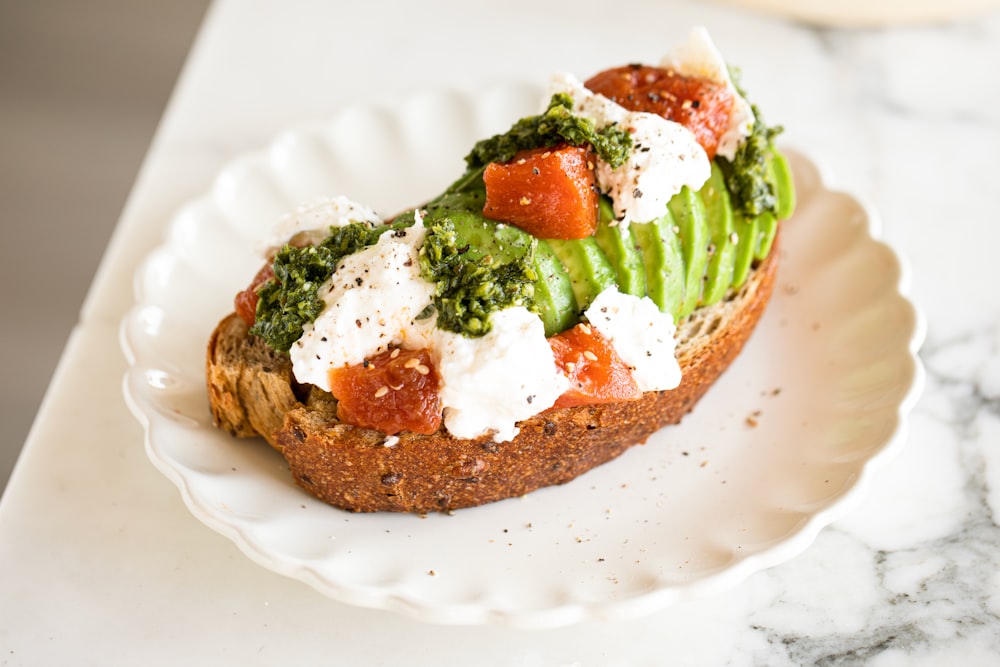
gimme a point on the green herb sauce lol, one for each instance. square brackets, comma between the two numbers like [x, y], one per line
[470, 285]
[556, 125]
[291, 299]
[746, 175]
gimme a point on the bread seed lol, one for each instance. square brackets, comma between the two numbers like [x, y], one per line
[381, 391]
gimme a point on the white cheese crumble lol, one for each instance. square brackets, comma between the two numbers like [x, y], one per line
[310, 223]
[493, 382]
[371, 303]
[699, 57]
[665, 155]
[642, 336]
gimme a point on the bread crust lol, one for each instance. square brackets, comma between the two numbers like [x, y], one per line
[252, 392]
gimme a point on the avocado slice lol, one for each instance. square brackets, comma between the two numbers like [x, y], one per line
[689, 216]
[504, 243]
[722, 252]
[781, 176]
[618, 245]
[660, 247]
[746, 247]
[553, 292]
[589, 270]
[767, 227]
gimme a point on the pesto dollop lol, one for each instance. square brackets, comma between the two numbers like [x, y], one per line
[291, 299]
[557, 124]
[748, 180]
[471, 286]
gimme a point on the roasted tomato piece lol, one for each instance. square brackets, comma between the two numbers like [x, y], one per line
[551, 193]
[595, 371]
[246, 301]
[395, 391]
[700, 105]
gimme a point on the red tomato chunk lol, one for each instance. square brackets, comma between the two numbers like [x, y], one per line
[395, 391]
[700, 105]
[551, 193]
[246, 301]
[595, 371]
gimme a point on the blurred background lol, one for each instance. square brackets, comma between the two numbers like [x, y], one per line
[82, 88]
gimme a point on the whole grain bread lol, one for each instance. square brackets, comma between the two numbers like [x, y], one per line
[252, 393]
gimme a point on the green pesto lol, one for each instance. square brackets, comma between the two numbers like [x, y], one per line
[750, 185]
[291, 299]
[470, 285]
[556, 125]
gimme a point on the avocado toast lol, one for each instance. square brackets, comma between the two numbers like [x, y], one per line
[581, 285]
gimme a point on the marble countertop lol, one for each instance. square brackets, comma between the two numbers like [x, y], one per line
[101, 563]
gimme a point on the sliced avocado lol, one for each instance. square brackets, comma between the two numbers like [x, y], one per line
[553, 291]
[505, 243]
[660, 247]
[722, 255]
[689, 216]
[589, 270]
[767, 227]
[618, 245]
[781, 177]
[746, 247]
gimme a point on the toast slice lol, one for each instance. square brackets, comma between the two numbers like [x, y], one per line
[252, 393]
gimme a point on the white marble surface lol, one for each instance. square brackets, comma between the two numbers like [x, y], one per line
[100, 563]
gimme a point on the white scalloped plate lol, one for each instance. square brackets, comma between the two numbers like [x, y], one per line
[781, 446]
